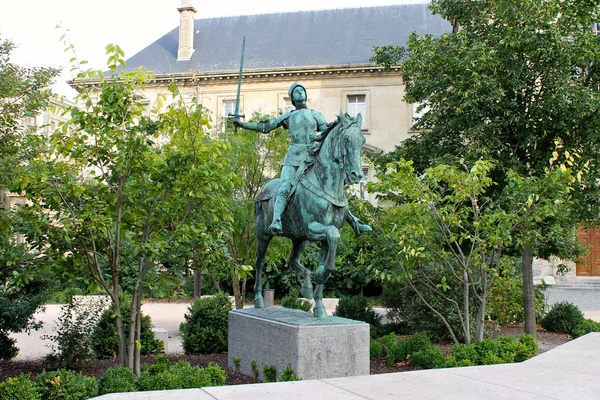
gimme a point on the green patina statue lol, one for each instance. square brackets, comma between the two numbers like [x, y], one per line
[308, 202]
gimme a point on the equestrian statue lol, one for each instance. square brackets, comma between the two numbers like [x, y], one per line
[308, 202]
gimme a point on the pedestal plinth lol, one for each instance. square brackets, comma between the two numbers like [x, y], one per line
[315, 348]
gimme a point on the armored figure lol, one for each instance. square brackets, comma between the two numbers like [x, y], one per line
[303, 125]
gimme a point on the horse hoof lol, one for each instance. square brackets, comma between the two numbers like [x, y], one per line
[320, 312]
[259, 303]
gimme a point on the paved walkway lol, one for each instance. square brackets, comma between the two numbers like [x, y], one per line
[568, 372]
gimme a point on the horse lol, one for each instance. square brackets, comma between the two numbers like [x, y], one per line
[316, 209]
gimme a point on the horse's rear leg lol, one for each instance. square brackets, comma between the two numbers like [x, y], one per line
[262, 243]
[307, 288]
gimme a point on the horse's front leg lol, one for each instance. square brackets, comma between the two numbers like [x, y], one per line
[331, 236]
[307, 288]
[263, 241]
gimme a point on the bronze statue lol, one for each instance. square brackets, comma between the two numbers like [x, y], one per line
[308, 202]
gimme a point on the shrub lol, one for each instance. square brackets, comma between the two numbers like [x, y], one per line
[270, 373]
[254, 369]
[217, 376]
[428, 358]
[8, 349]
[66, 385]
[19, 388]
[288, 375]
[563, 317]
[105, 341]
[116, 380]
[465, 352]
[530, 343]
[165, 380]
[406, 307]
[357, 308]
[71, 344]
[376, 349]
[399, 351]
[292, 300]
[417, 342]
[586, 327]
[205, 329]
[388, 341]
[163, 375]
[505, 305]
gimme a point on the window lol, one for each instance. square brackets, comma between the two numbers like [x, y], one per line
[228, 108]
[363, 195]
[418, 112]
[596, 28]
[357, 104]
[287, 104]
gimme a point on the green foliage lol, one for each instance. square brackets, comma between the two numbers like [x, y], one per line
[465, 352]
[269, 373]
[19, 388]
[398, 352]
[104, 339]
[66, 385]
[508, 84]
[292, 300]
[444, 234]
[375, 349]
[255, 371]
[585, 327]
[530, 342]
[417, 342]
[288, 375]
[8, 348]
[505, 304]
[117, 379]
[428, 357]
[205, 329]
[563, 317]
[71, 343]
[357, 308]
[504, 350]
[162, 375]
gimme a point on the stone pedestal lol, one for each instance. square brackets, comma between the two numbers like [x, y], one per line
[315, 348]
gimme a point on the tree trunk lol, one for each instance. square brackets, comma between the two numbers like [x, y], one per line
[479, 330]
[466, 310]
[138, 338]
[120, 332]
[197, 284]
[528, 290]
[237, 291]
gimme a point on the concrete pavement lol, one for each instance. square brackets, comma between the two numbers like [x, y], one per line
[568, 372]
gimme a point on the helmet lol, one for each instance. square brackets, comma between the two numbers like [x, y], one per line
[294, 86]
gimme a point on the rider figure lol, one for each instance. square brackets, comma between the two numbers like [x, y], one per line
[303, 124]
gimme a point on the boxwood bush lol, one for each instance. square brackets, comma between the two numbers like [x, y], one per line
[19, 388]
[105, 341]
[563, 317]
[205, 328]
[66, 385]
[116, 380]
[357, 308]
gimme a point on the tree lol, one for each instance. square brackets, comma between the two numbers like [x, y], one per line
[510, 81]
[120, 189]
[444, 221]
[24, 92]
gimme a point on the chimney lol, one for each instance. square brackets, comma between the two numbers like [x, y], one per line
[186, 30]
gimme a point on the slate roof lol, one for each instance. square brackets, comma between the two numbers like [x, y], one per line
[295, 39]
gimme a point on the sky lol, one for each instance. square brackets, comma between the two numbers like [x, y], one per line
[132, 24]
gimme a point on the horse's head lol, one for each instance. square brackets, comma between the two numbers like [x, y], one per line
[348, 145]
